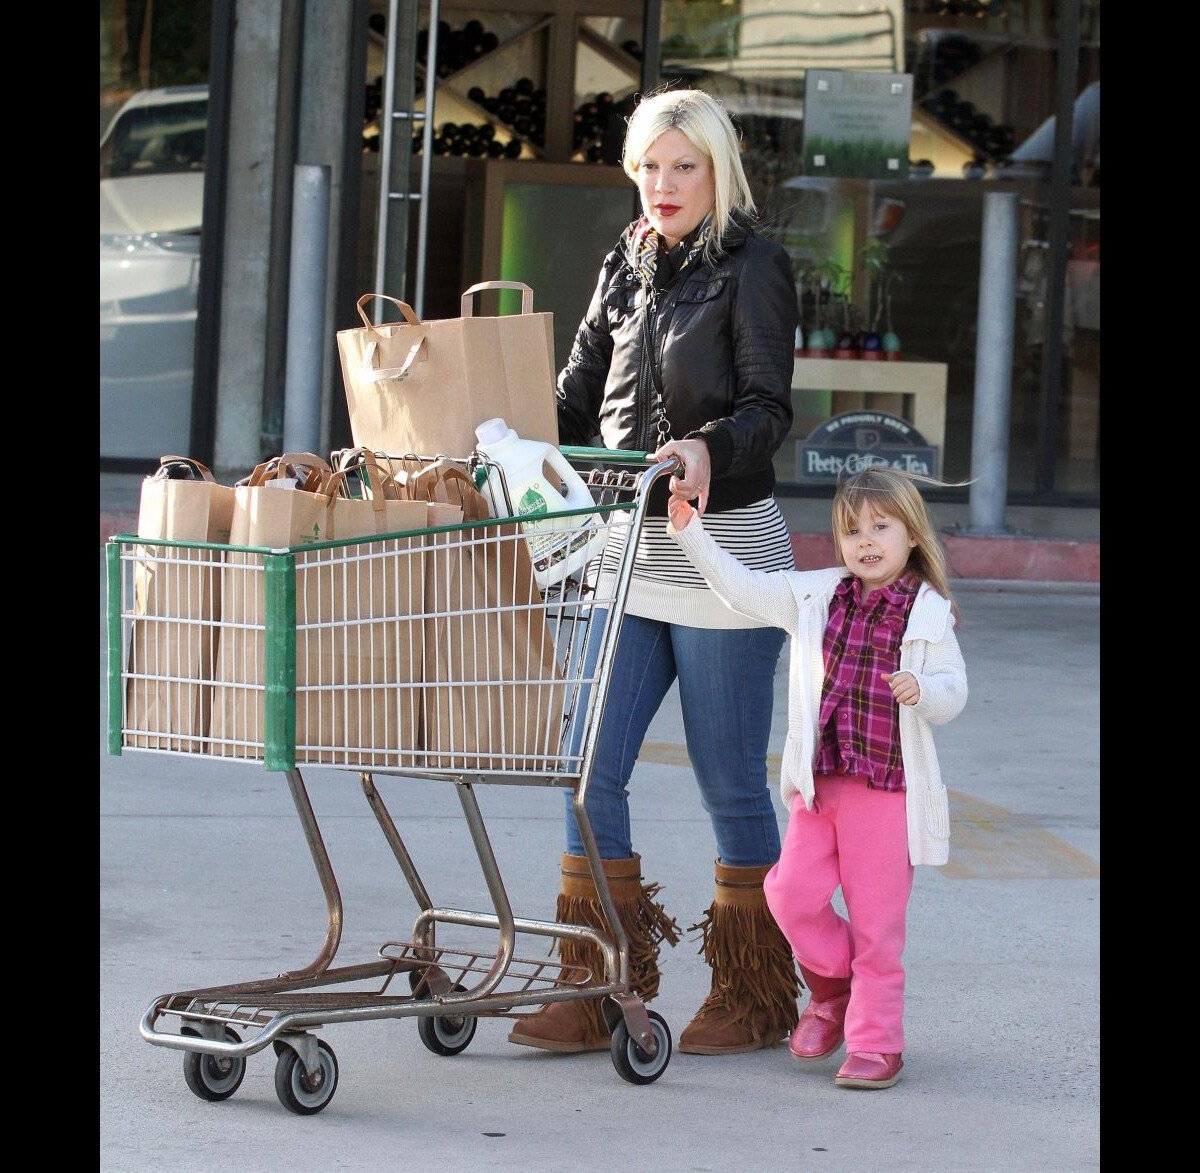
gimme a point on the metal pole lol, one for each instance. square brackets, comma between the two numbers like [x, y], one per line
[387, 129]
[993, 362]
[1059, 239]
[306, 309]
[418, 302]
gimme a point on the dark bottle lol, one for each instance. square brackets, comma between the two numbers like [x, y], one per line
[472, 35]
[495, 148]
[524, 85]
[512, 149]
[460, 51]
[476, 94]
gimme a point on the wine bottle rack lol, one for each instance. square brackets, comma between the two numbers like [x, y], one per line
[498, 95]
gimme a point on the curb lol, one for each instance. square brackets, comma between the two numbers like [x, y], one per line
[117, 521]
[1023, 558]
[1004, 559]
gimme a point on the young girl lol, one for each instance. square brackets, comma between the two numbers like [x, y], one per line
[874, 663]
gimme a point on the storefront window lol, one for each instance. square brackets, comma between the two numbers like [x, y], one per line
[153, 136]
[899, 258]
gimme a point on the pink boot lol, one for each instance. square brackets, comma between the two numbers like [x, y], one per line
[869, 1070]
[820, 1030]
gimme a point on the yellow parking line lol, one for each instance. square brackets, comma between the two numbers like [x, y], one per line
[987, 841]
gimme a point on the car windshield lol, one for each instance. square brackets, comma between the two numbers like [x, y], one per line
[156, 140]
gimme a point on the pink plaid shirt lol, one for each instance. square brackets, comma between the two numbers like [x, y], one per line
[860, 733]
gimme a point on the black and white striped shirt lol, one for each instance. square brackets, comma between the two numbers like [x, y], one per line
[667, 587]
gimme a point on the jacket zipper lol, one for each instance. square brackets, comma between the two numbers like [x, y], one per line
[645, 377]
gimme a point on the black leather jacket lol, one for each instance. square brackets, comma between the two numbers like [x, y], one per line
[723, 335]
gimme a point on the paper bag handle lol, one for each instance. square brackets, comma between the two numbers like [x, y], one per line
[431, 484]
[406, 311]
[278, 467]
[335, 488]
[381, 482]
[467, 302]
[371, 373]
[202, 469]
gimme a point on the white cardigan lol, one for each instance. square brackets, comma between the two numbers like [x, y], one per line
[798, 601]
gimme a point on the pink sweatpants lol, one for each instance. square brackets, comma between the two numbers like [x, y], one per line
[856, 837]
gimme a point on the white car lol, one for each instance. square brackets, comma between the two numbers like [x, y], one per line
[151, 204]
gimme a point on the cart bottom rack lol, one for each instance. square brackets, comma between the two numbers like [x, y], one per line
[448, 989]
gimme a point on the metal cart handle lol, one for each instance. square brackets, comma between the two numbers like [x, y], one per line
[609, 455]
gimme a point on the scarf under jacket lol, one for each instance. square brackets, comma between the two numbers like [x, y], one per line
[646, 241]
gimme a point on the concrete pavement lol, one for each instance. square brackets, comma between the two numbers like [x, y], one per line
[205, 878]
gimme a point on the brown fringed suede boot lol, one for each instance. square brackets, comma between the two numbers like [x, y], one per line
[752, 1002]
[579, 1025]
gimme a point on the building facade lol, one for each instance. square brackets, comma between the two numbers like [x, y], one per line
[212, 112]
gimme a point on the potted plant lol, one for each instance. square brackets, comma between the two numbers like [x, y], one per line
[873, 256]
[826, 276]
[890, 341]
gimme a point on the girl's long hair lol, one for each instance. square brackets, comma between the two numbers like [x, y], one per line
[894, 492]
[706, 123]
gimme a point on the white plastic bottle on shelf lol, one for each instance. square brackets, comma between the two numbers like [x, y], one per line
[559, 546]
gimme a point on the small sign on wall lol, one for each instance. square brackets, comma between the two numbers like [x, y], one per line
[857, 123]
[856, 440]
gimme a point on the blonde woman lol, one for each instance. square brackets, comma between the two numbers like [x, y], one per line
[687, 343]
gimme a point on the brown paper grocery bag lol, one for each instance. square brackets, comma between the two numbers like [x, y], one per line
[271, 509]
[423, 386]
[176, 603]
[376, 592]
[493, 697]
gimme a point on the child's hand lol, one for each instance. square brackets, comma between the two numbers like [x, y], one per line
[904, 686]
[679, 512]
[691, 481]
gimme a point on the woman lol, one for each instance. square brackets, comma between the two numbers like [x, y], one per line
[686, 350]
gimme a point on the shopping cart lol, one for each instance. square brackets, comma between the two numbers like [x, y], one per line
[383, 657]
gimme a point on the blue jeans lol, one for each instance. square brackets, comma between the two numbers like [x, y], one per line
[726, 688]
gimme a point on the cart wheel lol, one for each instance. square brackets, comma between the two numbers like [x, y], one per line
[632, 1063]
[447, 1034]
[213, 1077]
[300, 1092]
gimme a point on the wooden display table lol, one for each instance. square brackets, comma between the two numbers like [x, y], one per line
[919, 389]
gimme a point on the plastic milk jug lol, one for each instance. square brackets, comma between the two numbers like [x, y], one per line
[559, 546]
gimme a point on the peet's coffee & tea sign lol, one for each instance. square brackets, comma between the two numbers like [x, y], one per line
[856, 440]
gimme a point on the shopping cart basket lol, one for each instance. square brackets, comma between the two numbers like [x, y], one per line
[374, 656]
